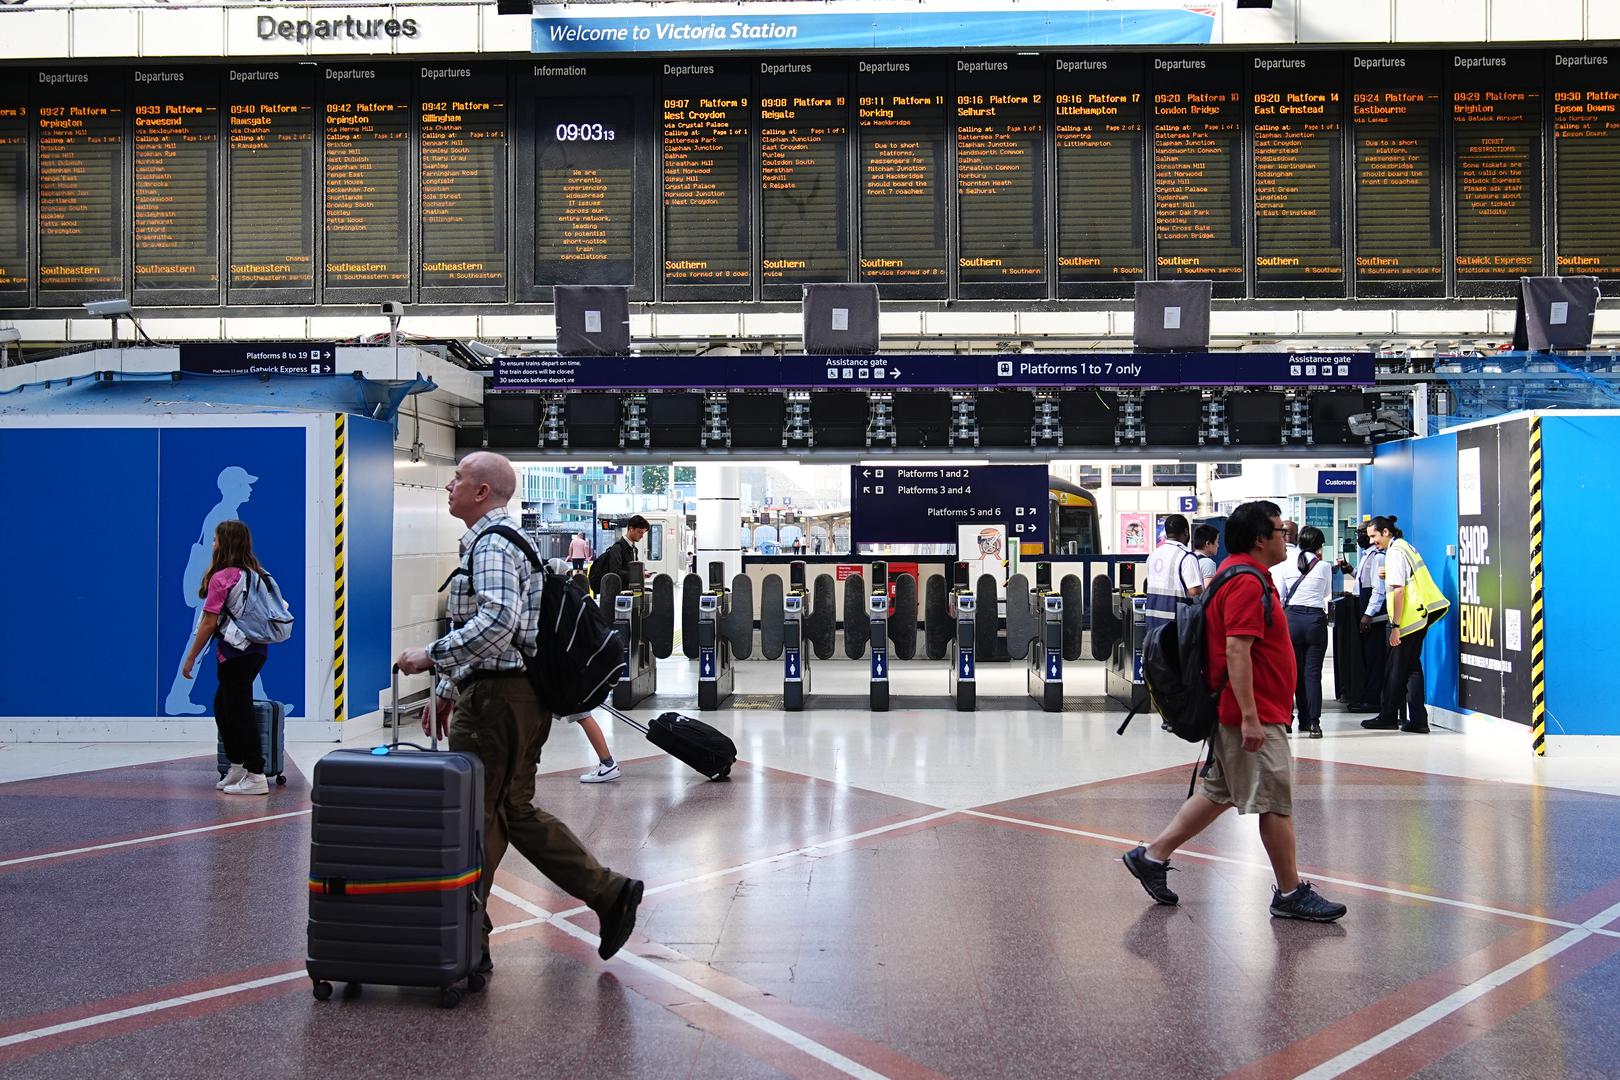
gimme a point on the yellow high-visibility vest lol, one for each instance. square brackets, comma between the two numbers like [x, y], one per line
[1422, 602]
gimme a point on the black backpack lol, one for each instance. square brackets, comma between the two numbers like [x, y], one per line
[578, 659]
[609, 562]
[1173, 663]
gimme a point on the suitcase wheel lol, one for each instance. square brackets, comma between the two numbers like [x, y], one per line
[323, 990]
[449, 997]
[476, 981]
[351, 991]
[281, 780]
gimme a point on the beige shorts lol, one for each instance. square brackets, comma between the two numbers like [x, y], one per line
[1257, 783]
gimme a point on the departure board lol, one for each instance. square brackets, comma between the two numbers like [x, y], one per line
[1395, 119]
[176, 148]
[1296, 115]
[14, 223]
[1496, 184]
[366, 131]
[804, 172]
[1099, 121]
[461, 125]
[80, 183]
[270, 173]
[1197, 168]
[1000, 135]
[1586, 147]
[901, 123]
[584, 191]
[704, 141]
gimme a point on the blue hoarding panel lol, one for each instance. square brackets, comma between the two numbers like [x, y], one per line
[369, 512]
[78, 633]
[892, 504]
[869, 30]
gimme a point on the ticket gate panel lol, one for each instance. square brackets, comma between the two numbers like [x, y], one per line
[963, 674]
[795, 656]
[1044, 675]
[640, 680]
[877, 607]
[1123, 679]
[716, 675]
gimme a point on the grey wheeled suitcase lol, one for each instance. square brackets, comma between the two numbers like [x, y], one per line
[272, 718]
[395, 866]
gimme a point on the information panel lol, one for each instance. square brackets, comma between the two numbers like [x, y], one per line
[176, 181]
[1296, 114]
[366, 131]
[924, 505]
[1586, 145]
[270, 166]
[706, 184]
[804, 172]
[584, 191]
[1000, 172]
[1198, 218]
[14, 223]
[900, 119]
[1098, 126]
[1496, 185]
[79, 177]
[461, 126]
[1395, 115]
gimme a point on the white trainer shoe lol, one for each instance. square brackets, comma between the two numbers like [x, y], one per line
[250, 784]
[601, 774]
[236, 773]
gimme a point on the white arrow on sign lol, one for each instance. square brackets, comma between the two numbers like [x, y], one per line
[894, 373]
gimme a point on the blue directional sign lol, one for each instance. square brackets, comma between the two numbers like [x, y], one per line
[894, 504]
[933, 371]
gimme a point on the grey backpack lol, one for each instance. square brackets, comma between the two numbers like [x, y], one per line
[260, 613]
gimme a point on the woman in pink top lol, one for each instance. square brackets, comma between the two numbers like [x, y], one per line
[239, 660]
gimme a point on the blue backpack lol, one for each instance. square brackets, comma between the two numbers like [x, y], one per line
[264, 617]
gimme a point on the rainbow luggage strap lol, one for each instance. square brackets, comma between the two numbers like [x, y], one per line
[346, 887]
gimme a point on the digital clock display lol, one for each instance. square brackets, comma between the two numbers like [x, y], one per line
[585, 133]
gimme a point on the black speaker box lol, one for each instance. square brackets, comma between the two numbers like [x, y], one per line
[1172, 316]
[593, 420]
[1088, 417]
[1255, 418]
[1331, 411]
[1555, 313]
[922, 418]
[840, 320]
[1005, 417]
[675, 420]
[839, 418]
[756, 420]
[1173, 417]
[592, 320]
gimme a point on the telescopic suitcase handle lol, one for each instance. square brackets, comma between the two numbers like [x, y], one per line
[433, 732]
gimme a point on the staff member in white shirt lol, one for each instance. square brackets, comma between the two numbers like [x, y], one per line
[1173, 577]
[1306, 597]
[1285, 572]
[1205, 543]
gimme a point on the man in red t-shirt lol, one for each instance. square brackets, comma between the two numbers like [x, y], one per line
[1249, 656]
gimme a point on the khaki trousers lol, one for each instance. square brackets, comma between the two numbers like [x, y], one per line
[502, 721]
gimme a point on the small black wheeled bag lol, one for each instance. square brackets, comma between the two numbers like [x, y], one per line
[395, 866]
[692, 742]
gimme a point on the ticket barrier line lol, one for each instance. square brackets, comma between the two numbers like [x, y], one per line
[795, 657]
[631, 609]
[716, 674]
[963, 676]
[1123, 679]
[1044, 675]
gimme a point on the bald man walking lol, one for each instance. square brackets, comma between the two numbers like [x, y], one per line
[485, 701]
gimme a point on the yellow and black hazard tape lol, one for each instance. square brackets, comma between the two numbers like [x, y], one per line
[339, 570]
[1538, 639]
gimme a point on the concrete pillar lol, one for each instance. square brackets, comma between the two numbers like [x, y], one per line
[719, 519]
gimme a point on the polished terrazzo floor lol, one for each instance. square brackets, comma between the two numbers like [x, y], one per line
[912, 894]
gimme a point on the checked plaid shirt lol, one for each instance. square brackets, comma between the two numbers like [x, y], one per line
[494, 610]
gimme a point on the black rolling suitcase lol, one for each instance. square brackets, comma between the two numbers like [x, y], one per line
[709, 751]
[1349, 668]
[272, 718]
[396, 857]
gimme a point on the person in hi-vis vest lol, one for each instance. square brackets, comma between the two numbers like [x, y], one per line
[1414, 603]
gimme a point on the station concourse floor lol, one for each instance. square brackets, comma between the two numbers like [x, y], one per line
[917, 893]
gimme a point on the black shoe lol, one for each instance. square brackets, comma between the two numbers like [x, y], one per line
[485, 965]
[1377, 723]
[620, 919]
[1415, 729]
[1151, 874]
[1305, 903]
[1315, 731]
[1360, 706]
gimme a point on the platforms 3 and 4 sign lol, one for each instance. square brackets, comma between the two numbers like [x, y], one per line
[892, 504]
[934, 370]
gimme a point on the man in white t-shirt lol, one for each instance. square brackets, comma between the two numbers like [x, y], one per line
[1173, 576]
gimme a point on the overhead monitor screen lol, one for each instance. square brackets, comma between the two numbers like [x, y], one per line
[367, 130]
[177, 149]
[1197, 167]
[1099, 136]
[461, 120]
[1586, 147]
[901, 124]
[79, 173]
[270, 166]
[1296, 116]
[1399, 151]
[706, 181]
[1000, 171]
[14, 225]
[804, 172]
[584, 191]
[1496, 139]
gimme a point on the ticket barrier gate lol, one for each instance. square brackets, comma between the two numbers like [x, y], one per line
[795, 657]
[631, 609]
[1044, 676]
[877, 613]
[1123, 679]
[716, 675]
[963, 680]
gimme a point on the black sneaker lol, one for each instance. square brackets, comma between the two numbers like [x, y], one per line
[1151, 874]
[1415, 729]
[620, 919]
[1375, 723]
[1315, 731]
[1305, 903]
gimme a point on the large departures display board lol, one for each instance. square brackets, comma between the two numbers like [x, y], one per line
[475, 184]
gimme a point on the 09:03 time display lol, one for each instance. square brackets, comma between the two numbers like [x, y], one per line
[585, 133]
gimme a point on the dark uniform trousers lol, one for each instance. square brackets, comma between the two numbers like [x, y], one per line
[500, 719]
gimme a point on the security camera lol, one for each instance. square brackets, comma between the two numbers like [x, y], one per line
[393, 309]
[1387, 421]
[107, 308]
